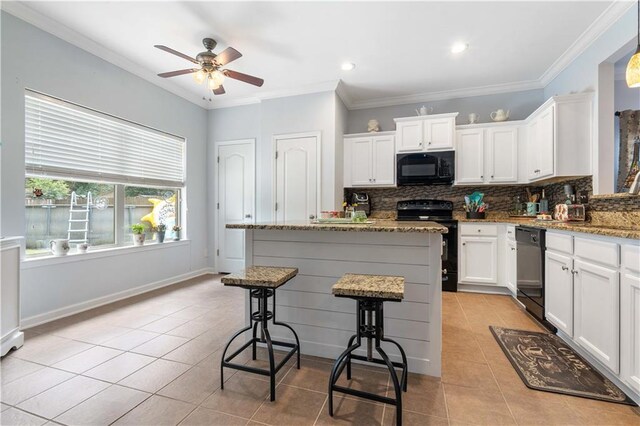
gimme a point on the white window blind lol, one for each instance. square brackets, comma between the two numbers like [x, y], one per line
[69, 141]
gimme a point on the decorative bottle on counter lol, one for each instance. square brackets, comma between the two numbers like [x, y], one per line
[544, 204]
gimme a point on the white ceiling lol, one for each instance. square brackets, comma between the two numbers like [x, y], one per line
[401, 50]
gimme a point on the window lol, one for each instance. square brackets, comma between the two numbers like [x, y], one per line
[90, 176]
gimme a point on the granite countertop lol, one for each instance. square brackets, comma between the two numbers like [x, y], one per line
[609, 230]
[260, 276]
[377, 226]
[377, 286]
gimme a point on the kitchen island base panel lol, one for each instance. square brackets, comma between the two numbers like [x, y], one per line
[324, 323]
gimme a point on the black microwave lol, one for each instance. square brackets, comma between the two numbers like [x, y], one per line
[422, 168]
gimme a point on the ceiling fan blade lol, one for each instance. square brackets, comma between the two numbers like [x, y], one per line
[175, 52]
[219, 90]
[179, 72]
[227, 55]
[244, 77]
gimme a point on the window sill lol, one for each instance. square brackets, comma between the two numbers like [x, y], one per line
[97, 253]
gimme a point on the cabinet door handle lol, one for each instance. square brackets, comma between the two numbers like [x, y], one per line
[573, 271]
[565, 268]
[491, 176]
[464, 244]
[420, 144]
[513, 248]
[479, 230]
[481, 176]
[429, 143]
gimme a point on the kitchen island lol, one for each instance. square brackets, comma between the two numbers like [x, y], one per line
[325, 252]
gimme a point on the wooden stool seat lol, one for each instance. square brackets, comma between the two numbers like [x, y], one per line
[260, 276]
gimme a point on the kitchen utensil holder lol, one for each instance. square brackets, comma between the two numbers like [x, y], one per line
[475, 215]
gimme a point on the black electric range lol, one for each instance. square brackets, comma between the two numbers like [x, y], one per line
[439, 211]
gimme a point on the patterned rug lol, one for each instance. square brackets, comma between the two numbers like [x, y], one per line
[544, 362]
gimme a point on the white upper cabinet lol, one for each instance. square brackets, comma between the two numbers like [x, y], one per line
[439, 133]
[560, 138]
[487, 154]
[502, 155]
[360, 161]
[470, 156]
[426, 133]
[369, 160]
[384, 160]
[410, 136]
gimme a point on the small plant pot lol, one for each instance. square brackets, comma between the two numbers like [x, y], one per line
[475, 215]
[161, 236]
[176, 236]
[138, 239]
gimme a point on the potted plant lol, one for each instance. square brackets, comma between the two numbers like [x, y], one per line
[138, 234]
[160, 231]
[176, 231]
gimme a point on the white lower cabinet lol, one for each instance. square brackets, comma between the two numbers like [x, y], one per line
[630, 317]
[559, 291]
[478, 260]
[597, 312]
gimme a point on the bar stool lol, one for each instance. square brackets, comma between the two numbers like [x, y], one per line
[370, 292]
[261, 282]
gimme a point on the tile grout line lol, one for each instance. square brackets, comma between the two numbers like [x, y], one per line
[324, 403]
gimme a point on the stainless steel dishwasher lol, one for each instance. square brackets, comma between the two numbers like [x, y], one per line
[530, 275]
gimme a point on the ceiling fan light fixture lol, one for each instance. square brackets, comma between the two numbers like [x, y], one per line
[459, 47]
[218, 77]
[200, 76]
[633, 67]
[212, 84]
[348, 66]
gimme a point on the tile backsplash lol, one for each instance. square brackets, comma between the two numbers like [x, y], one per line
[499, 197]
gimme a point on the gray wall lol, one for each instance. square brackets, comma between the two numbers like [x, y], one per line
[70, 73]
[520, 104]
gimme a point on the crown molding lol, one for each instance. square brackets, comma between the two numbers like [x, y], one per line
[25, 13]
[606, 19]
[447, 94]
[614, 12]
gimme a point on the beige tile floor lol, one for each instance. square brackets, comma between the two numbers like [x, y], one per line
[154, 360]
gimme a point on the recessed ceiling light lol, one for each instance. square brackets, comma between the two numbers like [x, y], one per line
[348, 66]
[459, 47]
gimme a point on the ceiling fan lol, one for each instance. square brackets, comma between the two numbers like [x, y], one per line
[211, 67]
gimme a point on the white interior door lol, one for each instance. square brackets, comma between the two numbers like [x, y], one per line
[297, 185]
[235, 200]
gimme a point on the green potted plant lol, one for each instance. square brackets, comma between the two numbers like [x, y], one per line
[176, 231]
[138, 234]
[160, 231]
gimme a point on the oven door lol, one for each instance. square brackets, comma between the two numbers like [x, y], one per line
[425, 169]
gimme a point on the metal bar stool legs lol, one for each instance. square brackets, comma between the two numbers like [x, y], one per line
[260, 320]
[370, 326]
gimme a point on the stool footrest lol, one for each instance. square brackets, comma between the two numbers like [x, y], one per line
[377, 361]
[227, 361]
[367, 395]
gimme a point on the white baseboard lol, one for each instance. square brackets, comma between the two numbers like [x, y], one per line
[485, 289]
[602, 369]
[35, 320]
[13, 339]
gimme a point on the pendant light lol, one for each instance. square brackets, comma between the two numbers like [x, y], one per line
[633, 67]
